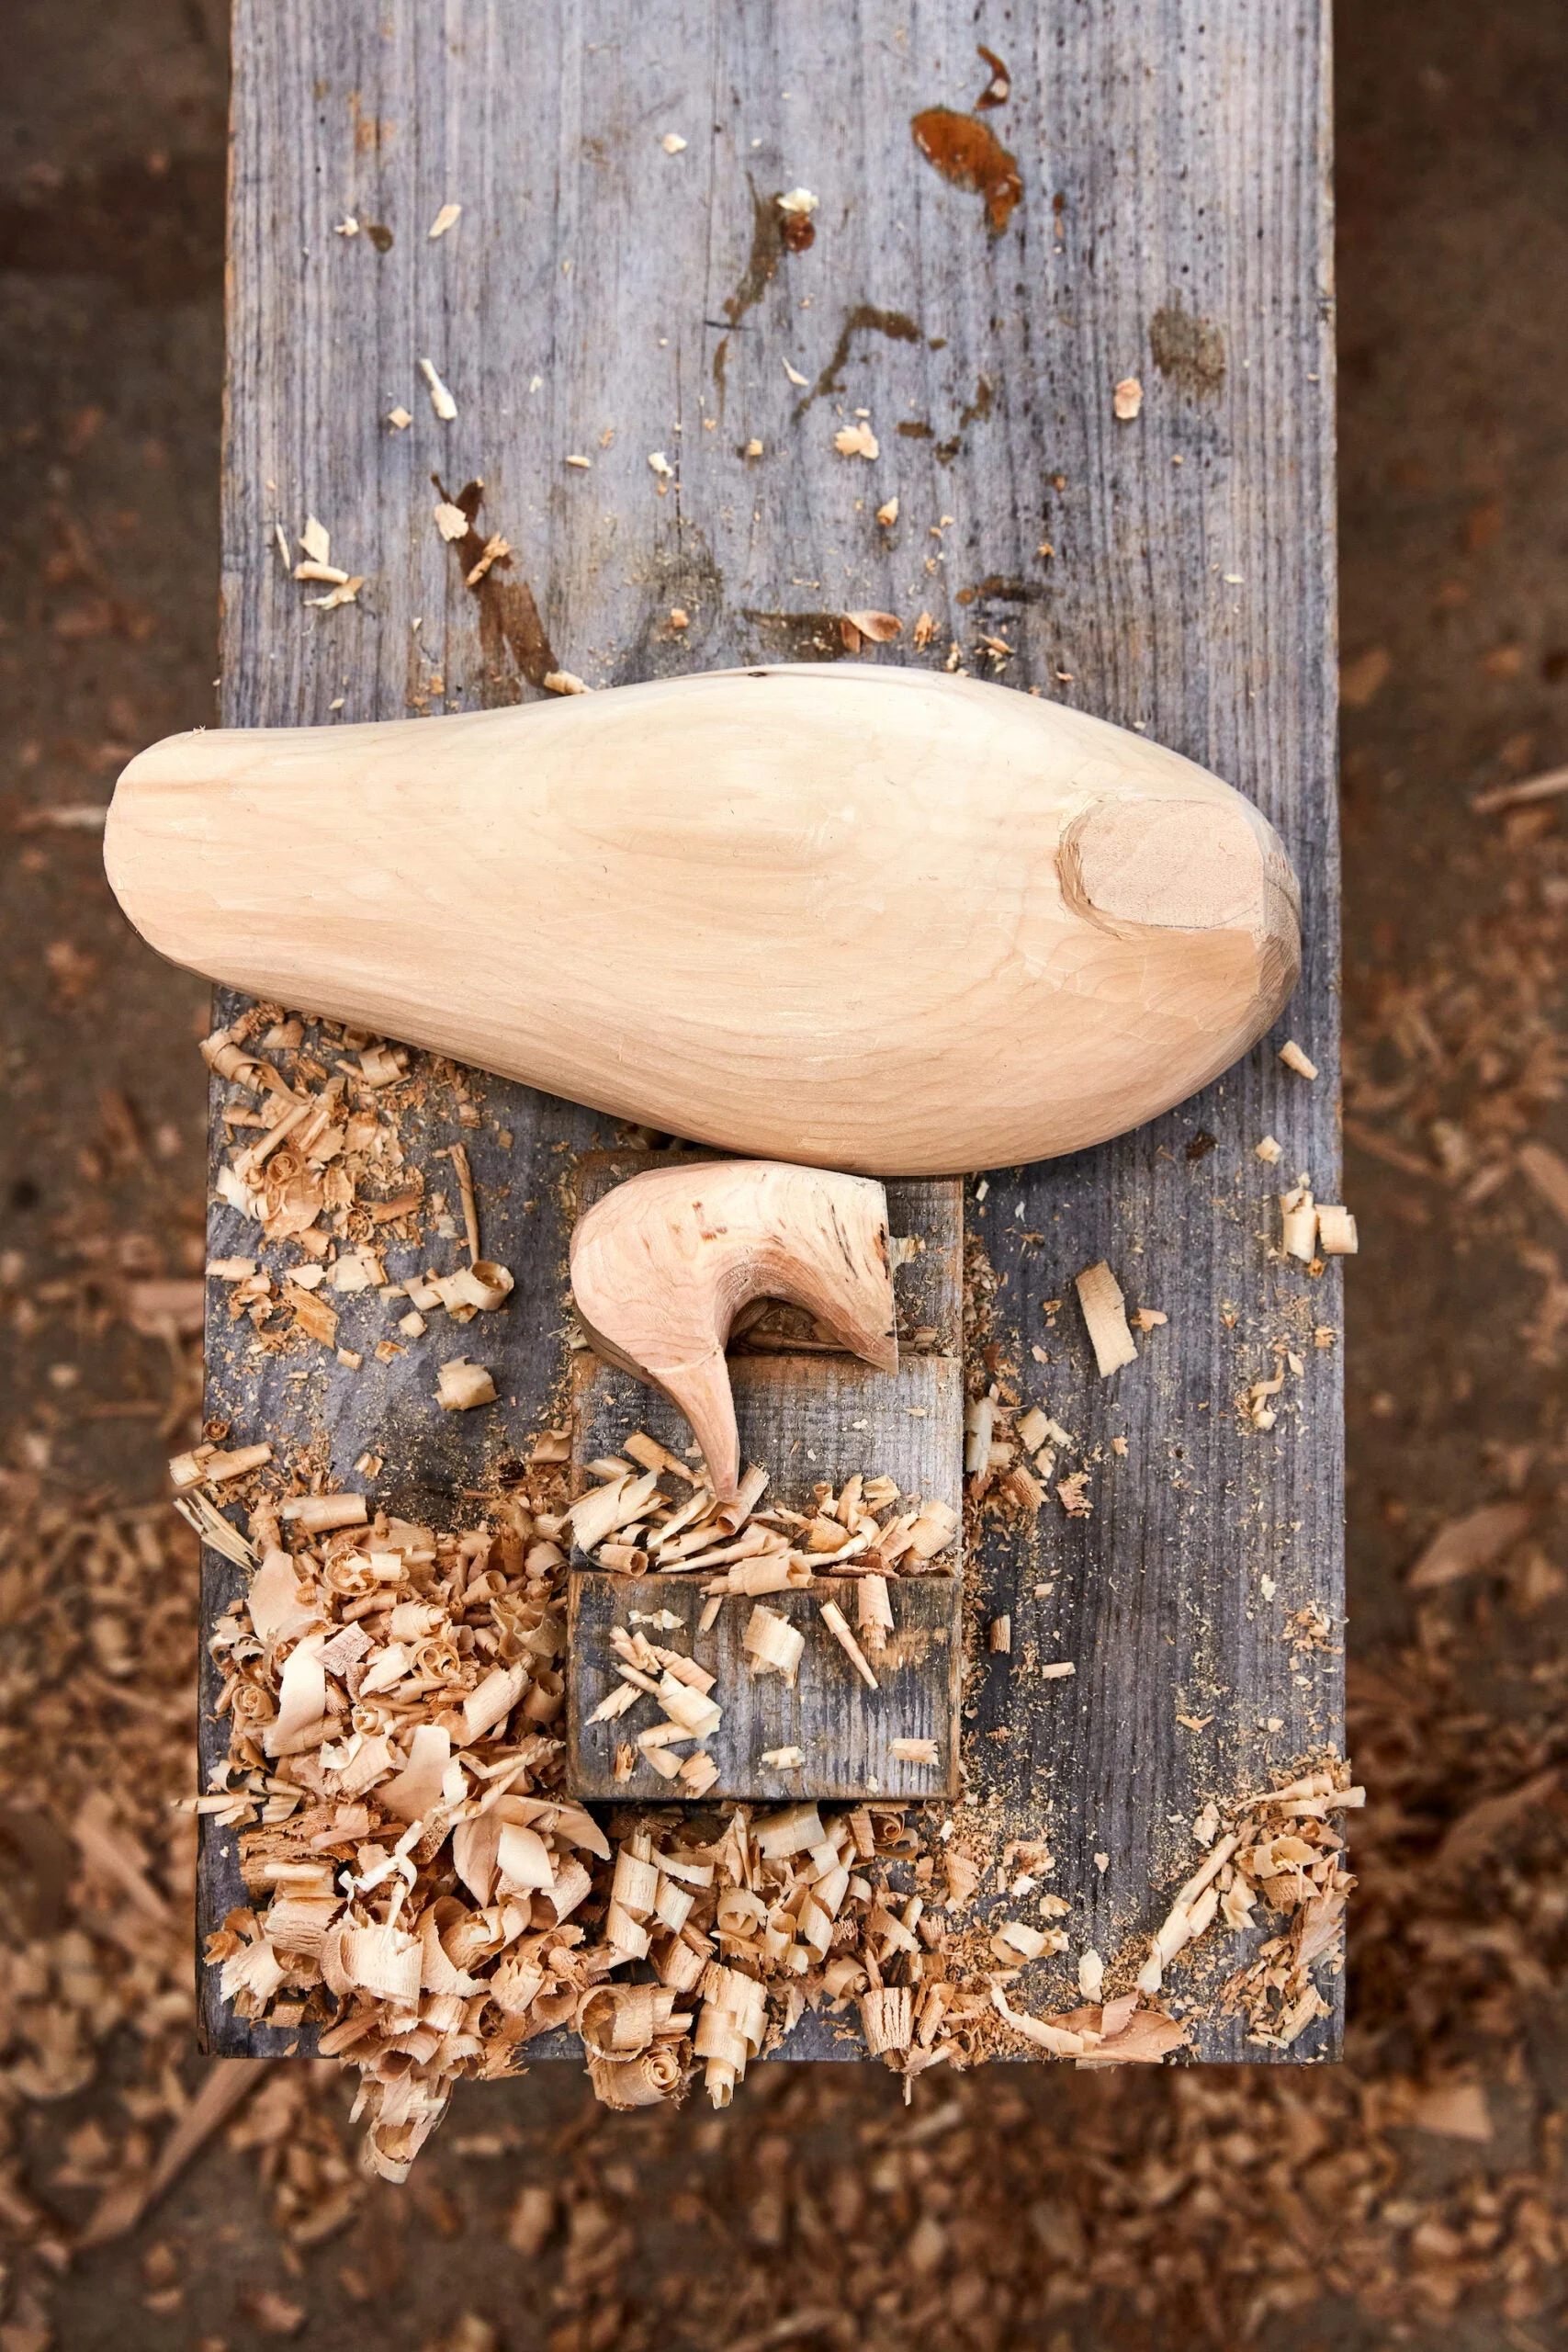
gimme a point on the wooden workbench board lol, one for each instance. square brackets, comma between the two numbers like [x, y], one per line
[604, 298]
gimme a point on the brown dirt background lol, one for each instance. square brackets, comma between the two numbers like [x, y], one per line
[1025, 2207]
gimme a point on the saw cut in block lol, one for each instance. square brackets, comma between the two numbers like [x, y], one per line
[811, 1414]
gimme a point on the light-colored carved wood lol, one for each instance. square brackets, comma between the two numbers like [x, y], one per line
[661, 1265]
[882, 919]
[811, 1414]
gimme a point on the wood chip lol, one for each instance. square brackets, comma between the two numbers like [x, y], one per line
[1104, 1313]
[1291, 1055]
[1468, 1544]
[1060, 2040]
[495, 549]
[1547, 1170]
[856, 441]
[441, 400]
[1127, 398]
[915, 1751]
[461, 1386]
[447, 218]
[1550, 786]
[874, 1613]
[318, 1514]
[880, 628]
[451, 521]
[1336, 1231]
[772, 1644]
[1298, 1223]
[838, 1626]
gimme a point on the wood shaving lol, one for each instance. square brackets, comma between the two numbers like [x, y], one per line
[1105, 1317]
[563, 681]
[758, 1548]
[857, 441]
[880, 628]
[1547, 1172]
[1298, 1223]
[672, 143]
[1336, 1231]
[348, 593]
[1291, 1055]
[1127, 398]
[447, 218]
[838, 1626]
[461, 1386]
[441, 400]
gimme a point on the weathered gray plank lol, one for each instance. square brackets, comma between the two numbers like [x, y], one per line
[1173, 223]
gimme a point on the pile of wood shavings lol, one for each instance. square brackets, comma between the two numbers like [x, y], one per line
[316, 1163]
[423, 1892]
[744, 1547]
[631, 1523]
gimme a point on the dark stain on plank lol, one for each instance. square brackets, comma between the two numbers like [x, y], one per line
[509, 622]
[968, 152]
[975, 411]
[798, 637]
[995, 590]
[1188, 351]
[761, 268]
[864, 319]
[999, 89]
